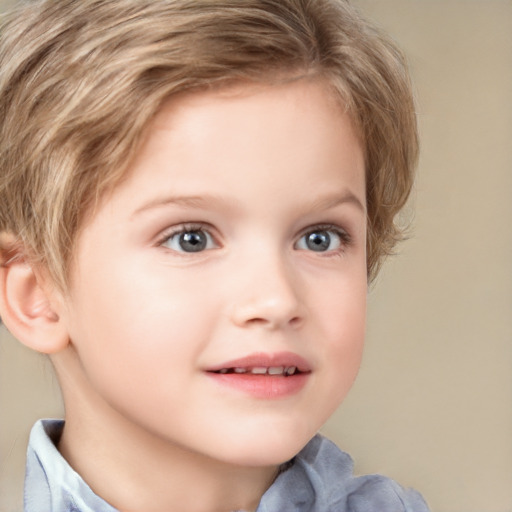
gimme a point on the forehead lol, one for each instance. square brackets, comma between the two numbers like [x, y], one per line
[247, 133]
[250, 96]
[236, 117]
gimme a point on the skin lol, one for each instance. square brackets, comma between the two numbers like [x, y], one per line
[253, 169]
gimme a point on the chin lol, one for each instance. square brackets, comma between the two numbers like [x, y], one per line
[271, 448]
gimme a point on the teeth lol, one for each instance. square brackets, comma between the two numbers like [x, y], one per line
[259, 370]
[262, 370]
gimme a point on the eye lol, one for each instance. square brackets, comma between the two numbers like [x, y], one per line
[323, 239]
[189, 240]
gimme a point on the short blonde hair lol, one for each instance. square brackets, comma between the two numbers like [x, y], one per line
[81, 80]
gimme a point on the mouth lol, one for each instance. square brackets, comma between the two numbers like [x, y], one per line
[264, 376]
[275, 371]
[280, 364]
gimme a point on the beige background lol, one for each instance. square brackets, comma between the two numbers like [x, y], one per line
[433, 403]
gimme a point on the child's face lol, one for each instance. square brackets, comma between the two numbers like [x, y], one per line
[236, 241]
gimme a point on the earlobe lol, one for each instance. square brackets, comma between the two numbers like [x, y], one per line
[27, 308]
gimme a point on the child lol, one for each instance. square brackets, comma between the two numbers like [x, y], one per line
[193, 197]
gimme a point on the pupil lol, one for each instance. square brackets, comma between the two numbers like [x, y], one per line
[319, 241]
[193, 241]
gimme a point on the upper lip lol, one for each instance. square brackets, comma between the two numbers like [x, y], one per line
[264, 360]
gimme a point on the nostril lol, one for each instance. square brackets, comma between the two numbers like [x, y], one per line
[295, 321]
[258, 321]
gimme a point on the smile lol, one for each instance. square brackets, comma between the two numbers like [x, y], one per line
[279, 364]
[262, 370]
[263, 376]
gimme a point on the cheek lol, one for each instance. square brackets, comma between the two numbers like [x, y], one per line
[138, 330]
[346, 331]
[343, 313]
[341, 304]
[340, 351]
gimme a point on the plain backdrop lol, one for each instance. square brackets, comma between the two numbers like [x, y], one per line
[432, 406]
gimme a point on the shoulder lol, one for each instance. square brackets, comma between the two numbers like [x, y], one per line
[50, 483]
[321, 479]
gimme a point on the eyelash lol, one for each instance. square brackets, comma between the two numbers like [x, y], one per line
[344, 237]
[182, 229]
[345, 240]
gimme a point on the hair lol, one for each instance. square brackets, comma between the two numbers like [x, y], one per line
[80, 81]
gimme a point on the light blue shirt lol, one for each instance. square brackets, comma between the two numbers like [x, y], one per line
[318, 479]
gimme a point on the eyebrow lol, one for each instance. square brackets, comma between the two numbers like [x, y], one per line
[201, 201]
[336, 199]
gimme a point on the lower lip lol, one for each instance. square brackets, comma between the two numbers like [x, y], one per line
[267, 387]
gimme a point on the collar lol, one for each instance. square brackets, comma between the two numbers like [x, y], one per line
[318, 479]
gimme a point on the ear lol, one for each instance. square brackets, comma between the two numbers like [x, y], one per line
[29, 307]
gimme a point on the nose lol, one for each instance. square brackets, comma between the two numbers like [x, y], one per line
[268, 296]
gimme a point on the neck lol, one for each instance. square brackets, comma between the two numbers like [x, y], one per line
[137, 471]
